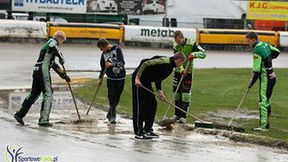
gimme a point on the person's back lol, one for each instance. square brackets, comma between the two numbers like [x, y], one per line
[144, 104]
[160, 69]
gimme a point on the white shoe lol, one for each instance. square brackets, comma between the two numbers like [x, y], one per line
[260, 129]
[175, 118]
[152, 135]
[181, 120]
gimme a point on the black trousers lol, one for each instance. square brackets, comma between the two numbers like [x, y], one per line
[115, 89]
[183, 95]
[41, 83]
[144, 108]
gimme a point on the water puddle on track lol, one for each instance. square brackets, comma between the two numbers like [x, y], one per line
[176, 145]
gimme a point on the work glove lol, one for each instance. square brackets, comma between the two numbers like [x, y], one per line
[190, 57]
[61, 58]
[66, 77]
[61, 61]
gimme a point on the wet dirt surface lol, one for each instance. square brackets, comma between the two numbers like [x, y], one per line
[94, 139]
[17, 61]
[222, 116]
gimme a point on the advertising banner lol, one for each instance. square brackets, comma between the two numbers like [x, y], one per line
[129, 7]
[102, 6]
[155, 34]
[126, 7]
[58, 6]
[263, 10]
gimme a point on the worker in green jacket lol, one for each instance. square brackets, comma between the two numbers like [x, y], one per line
[191, 50]
[263, 53]
[42, 79]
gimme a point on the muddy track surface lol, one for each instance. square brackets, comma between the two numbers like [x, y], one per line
[94, 138]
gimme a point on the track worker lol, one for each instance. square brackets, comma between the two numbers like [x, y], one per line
[263, 53]
[42, 79]
[191, 50]
[113, 61]
[155, 69]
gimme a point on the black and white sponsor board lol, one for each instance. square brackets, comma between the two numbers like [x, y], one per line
[102, 6]
[129, 7]
[57, 6]
[126, 7]
[155, 34]
[123, 7]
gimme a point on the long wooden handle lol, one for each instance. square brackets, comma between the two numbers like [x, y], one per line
[238, 108]
[175, 93]
[75, 104]
[171, 104]
[96, 92]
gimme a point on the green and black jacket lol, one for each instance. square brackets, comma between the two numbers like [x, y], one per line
[262, 59]
[188, 46]
[155, 69]
[46, 59]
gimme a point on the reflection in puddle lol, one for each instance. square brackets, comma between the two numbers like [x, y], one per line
[60, 99]
[63, 115]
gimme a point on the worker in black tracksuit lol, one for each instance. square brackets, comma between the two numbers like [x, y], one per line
[155, 69]
[42, 79]
[113, 61]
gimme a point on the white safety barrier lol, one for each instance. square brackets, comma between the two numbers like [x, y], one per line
[23, 29]
[154, 34]
[283, 39]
